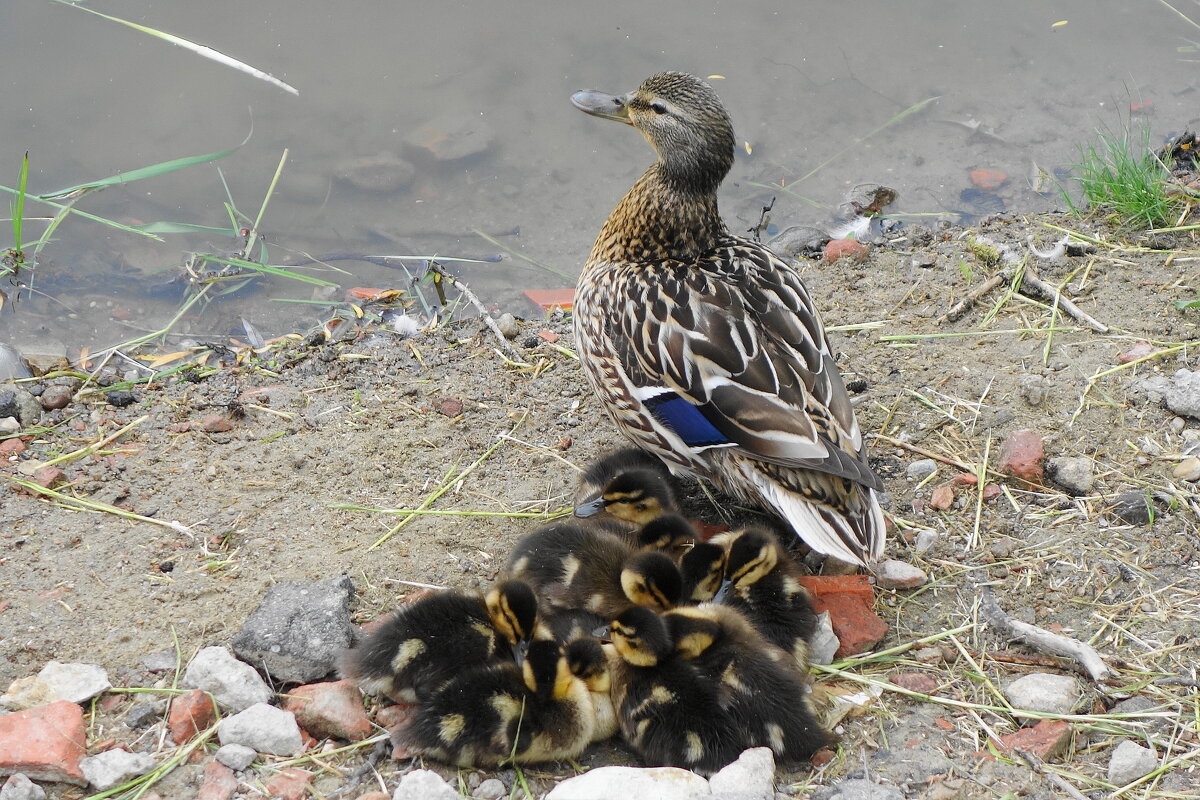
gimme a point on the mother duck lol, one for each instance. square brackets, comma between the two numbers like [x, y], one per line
[705, 348]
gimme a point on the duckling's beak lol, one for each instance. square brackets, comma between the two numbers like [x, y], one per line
[723, 592]
[602, 632]
[591, 508]
[599, 104]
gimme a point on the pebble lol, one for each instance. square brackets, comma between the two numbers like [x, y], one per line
[75, 683]
[925, 541]
[383, 173]
[921, 469]
[234, 684]
[1044, 691]
[12, 365]
[508, 325]
[751, 777]
[453, 136]
[893, 574]
[1129, 762]
[1021, 456]
[1188, 469]
[328, 710]
[9, 425]
[45, 354]
[848, 249]
[19, 787]
[491, 789]
[56, 397]
[114, 767]
[263, 727]
[1182, 395]
[236, 756]
[661, 783]
[424, 784]
[1034, 389]
[120, 398]
[299, 630]
[823, 643]
[1131, 508]
[1074, 473]
[857, 789]
[21, 405]
[941, 498]
[144, 712]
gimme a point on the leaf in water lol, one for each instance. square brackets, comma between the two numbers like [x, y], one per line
[252, 334]
[138, 174]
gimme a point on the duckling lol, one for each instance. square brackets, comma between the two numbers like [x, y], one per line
[497, 713]
[629, 484]
[703, 571]
[762, 688]
[669, 711]
[765, 586]
[427, 642]
[588, 661]
[668, 533]
[573, 566]
[705, 348]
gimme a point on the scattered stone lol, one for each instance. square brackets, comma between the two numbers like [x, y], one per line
[45, 743]
[17, 403]
[263, 727]
[921, 469]
[849, 600]
[330, 710]
[19, 787]
[920, 682]
[824, 642]
[393, 716]
[547, 335]
[1182, 395]
[424, 784]
[1021, 456]
[1034, 389]
[988, 179]
[1132, 508]
[451, 137]
[12, 447]
[857, 789]
[1154, 388]
[56, 397]
[384, 173]
[114, 767]
[49, 477]
[190, 713]
[144, 712]
[1073, 473]
[925, 541]
[213, 423]
[849, 249]
[12, 365]
[942, 498]
[75, 683]
[1129, 762]
[45, 354]
[508, 325]
[799, 240]
[9, 425]
[1046, 692]
[162, 661]
[1139, 350]
[120, 398]
[299, 630]
[290, 784]
[491, 789]
[219, 782]
[1188, 469]
[449, 406]
[375, 796]
[1046, 740]
[661, 783]
[892, 574]
[751, 777]
[234, 684]
[236, 756]
[928, 655]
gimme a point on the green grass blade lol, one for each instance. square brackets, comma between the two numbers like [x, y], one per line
[281, 272]
[67, 208]
[18, 205]
[181, 227]
[151, 171]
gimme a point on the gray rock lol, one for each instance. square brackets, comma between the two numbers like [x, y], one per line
[424, 784]
[824, 642]
[233, 684]
[752, 776]
[75, 683]
[1043, 691]
[508, 325]
[1132, 508]
[383, 173]
[162, 661]
[626, 783]
[9, 425]
[1183, 394]
[12, 366]
[453, 136]
[114, 767]
[299, 630]
[145, 712]
[44, 354]
[921, 469]
[19, 787]
[264, 728]
[1073, 473]
[1034, 389]
[236, 756]
[799, 240]
[18, 403]
[857, 789]
[1188, 469]
[491, 789]
[1129, 762]
[893, 574]
[925, 541]
[1154, 388]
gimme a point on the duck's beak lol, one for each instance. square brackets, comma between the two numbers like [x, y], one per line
[592, 507]
[599, 104]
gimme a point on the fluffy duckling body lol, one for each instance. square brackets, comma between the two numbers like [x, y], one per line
[705, 348]
[766, 588]
[629, 485]
[500, 712]
[703, 571]
[669, 711]
[588, 660]
[427, 642]
[762, 688]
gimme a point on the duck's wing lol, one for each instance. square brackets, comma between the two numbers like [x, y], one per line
[731, 352]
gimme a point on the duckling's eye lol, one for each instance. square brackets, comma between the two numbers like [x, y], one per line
[658, 108]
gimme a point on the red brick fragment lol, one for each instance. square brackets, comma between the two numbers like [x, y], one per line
[45, 743]
[449, 406]
[988, 179]
[219, 782]
[920, 682]
[964, 479]
[391, 717]
[49, 477]
[941, 498]
[1021, 457]
[849, 249]
[550, 299]
[190, 713]
[547, 335]
[848, 599]
[214, 423]
[1046, 740]
[12, 447]
[1139, 350]
[290, 784]
[332, 709]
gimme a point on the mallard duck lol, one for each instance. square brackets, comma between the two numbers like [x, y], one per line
[628, 484]
[669, 711]
[765, 586]
[762, 688]
[500, 712]
[428, 641]
[705, 348]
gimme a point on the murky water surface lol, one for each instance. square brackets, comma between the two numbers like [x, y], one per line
[446, 128]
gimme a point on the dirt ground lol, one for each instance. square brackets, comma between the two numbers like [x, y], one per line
[380, 422]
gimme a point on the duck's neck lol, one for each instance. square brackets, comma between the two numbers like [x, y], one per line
[658, 219]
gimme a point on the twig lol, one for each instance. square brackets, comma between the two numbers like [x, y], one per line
[962, 306]
[1034, 281]
[1032, 762]
[1042, 639]
[480, 307]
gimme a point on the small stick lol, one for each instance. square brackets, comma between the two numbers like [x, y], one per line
[1042, 639]
[962, 306]
[1035, 765]
[483, 312]
[1034, 281]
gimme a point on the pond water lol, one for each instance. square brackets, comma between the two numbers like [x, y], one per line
[392, 94]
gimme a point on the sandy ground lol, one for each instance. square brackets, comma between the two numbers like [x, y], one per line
[380, 422]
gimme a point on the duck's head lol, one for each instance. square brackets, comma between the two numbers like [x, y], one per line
[513, 609]
[682, 118]
[635, 495]
[586, 660]
[703, 569]
[665, 532]
[652, 580]
[753, 554]
[640, 637]
[545, 670]
[693, 629]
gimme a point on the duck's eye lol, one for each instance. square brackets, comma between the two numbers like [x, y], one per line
[658, 108]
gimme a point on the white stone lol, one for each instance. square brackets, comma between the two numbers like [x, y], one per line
[862, 789]
[1129, 762]
[627, 783]
[925, 541]
[491, 789]
[235, 685]
[236, 756]
[893, 574]
[921, 469]
[264, 728]
[424, 784]
[1043, 691]
[19, 787]
[115, 767]
[75, 683]
[751, 777]
[1183, 394]
[823, 643]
